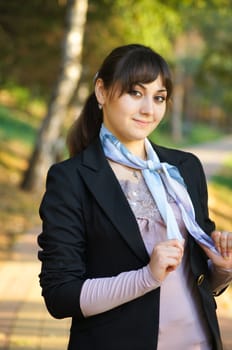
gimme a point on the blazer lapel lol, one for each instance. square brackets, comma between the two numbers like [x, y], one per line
[104, 186]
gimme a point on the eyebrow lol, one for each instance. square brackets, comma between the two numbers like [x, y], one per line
[144, 87]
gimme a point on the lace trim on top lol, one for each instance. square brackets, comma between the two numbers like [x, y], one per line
[151, 224]
[140, 198]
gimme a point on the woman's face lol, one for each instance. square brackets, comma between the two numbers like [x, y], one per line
[132, 116]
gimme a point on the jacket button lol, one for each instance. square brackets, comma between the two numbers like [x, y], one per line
[200, 279]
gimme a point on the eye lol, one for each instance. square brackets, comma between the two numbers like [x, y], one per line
[135, 92]
[160, 98]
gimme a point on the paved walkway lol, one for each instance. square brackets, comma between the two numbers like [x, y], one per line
[213, 154]
[24, 321]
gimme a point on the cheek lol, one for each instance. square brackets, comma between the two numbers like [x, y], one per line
[162, 110]
[159, 115]
[127, 106]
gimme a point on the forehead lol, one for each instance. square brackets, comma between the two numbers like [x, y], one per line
[118, 89]
[156, 84]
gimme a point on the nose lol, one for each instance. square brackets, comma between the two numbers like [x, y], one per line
[147, 106]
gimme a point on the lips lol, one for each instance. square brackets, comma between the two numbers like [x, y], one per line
[142, 122]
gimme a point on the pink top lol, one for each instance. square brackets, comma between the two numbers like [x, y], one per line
[180, 311]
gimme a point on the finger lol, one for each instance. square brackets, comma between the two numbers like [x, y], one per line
[216, 235]
[224, 244]
[176, 243]
[169, 251]
[173, 263]
[168, 255]
[218, 260]
[175, 254]
[229, 244]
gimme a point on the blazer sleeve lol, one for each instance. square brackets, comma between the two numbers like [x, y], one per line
[62, 243]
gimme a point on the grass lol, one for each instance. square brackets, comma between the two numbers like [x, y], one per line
[224, 178]
[194, 134]
[14, 128]
[19, 121]
[220, 196]
[220, 204]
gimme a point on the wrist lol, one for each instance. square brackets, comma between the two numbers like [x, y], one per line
[151, 275]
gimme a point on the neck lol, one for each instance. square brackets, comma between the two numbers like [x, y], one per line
[137, 148]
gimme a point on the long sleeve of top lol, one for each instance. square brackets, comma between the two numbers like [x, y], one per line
[101, 294]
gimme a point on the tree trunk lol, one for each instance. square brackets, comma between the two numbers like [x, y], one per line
[45, 148]
[177, 105]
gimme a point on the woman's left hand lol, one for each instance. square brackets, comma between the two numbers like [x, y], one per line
[223, 243]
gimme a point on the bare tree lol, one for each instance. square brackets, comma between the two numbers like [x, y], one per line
[177, 104]
[48, 136]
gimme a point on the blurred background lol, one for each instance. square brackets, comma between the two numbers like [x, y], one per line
[50, 52]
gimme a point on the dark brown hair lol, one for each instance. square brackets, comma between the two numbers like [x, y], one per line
[124, 67]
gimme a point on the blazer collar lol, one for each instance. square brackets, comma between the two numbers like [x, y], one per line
[171, 156]
[104, 186]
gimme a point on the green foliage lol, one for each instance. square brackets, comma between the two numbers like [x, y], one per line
[119, 22]
[215, 70]
[198, 4]
[193, 35]
[152, 23]
[30, 39]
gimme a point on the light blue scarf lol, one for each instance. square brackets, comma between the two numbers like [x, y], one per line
[159, 177]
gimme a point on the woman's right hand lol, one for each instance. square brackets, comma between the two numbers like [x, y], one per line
[166, 257]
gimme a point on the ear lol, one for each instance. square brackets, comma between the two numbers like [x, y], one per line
[100, 91]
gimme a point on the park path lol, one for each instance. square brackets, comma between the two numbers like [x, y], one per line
[24, 321]
[213, 154]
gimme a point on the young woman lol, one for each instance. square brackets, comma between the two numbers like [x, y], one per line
[128, 250]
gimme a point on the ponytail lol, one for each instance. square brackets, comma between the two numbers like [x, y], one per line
[86, 127]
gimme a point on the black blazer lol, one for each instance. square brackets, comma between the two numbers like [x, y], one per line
[90, 231]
